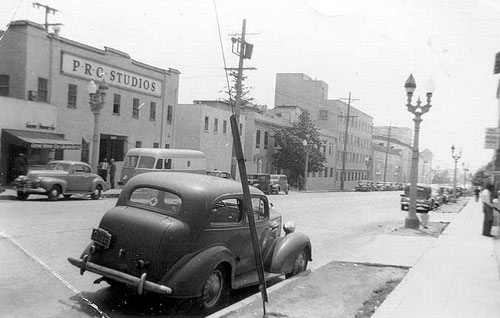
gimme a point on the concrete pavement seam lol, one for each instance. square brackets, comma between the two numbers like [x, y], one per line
[55, 274]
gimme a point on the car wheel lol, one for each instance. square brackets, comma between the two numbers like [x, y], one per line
[54, 193]
[300, 264]
[213, 289]
[22, 195]
[97, 193]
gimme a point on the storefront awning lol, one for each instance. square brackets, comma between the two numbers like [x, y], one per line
[40, 139]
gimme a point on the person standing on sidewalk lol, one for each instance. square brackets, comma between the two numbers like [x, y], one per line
[487, 200]
[103, 169]
[112, 171]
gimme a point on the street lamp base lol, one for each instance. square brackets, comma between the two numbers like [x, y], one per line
[412, 223]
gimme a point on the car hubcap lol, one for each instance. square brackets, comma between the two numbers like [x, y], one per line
[300, 263]
[212, 289]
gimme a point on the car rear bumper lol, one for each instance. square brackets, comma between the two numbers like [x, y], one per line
[138, 282]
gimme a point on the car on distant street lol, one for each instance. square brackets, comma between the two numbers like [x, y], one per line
[60, 177]
[261, 181]
[364, 186]
[279, 182]
[425, 200]
[185, 235]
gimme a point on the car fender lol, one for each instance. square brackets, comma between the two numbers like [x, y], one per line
[101, 182]
[187, 277]
[48, 182]
[287, 249]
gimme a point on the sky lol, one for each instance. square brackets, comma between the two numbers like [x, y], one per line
[366, 47]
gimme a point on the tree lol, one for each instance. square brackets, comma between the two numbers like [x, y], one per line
[230, 92]
[291, 152]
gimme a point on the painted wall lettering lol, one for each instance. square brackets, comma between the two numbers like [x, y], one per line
[91, 70]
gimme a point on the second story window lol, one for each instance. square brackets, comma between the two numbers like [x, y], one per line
[138, 144]
[72, 96]
[135, 108]
[170, 114]
[224, 126]
[4, 84]
[116, 103]
[206, 123]
[257, 139]
[216, 124]
[43, 90]
[266, 139]
[152, 111]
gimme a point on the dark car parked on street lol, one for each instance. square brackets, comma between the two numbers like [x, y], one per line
[261, 181]
[187, 236]
[425, 200]
[60, 177]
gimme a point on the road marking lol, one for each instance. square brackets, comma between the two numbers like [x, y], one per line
[56, 275]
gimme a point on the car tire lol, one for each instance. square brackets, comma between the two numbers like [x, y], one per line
[97, 193]
[214, 289]
[286, 192]
[54, 193]
[22, 195]
[299, 265]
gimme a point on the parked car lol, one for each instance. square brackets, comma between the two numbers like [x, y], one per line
[425, 200]
[186, 236]
[220, 174]
[60, 177]
[364, 186]
[261, 181]
[279, 182]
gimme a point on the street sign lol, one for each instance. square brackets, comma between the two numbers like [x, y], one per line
[492, 138]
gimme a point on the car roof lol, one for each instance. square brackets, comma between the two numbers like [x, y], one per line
[190, 187]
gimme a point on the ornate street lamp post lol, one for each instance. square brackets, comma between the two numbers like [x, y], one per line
[418, 110]
[96, 102]
[367, 163]
[455, 157]
[304, 143]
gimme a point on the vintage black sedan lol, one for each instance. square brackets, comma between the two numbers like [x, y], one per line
[64, 177]
[187, 236]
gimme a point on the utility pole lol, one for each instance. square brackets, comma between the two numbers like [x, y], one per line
[387, 150]
[244, 51]
[47, 11]
[342, 173]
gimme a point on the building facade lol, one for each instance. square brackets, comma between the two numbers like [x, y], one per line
[44, 70]
[347, 141]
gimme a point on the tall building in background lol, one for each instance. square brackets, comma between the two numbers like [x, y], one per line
[330, 117]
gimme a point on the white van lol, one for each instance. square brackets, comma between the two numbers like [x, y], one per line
[140, 160]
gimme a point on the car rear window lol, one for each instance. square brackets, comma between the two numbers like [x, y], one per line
[156, 200]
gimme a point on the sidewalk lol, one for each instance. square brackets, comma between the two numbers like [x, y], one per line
[453, 275]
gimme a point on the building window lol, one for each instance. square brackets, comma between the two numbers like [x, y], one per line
[84, 157]
[224, 126]
[71, 96]
[266, 139]
[43, 90]
[156, 145]
[167, 146]
[152, 111]
[323, 114]
[257, 139]
[206, 122]
[170, 114]
[4, 84]
[116, 103]
[138, 144]
[135, 108]
[216, 124]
